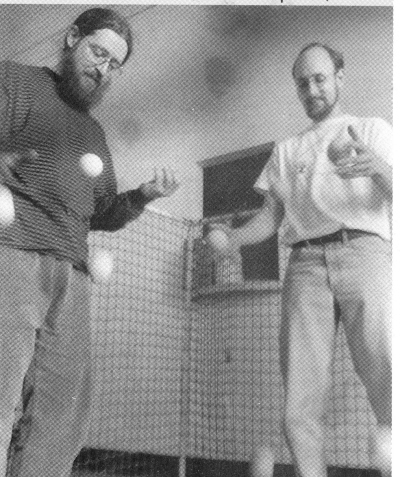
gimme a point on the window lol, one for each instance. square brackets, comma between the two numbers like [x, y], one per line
[228, 196]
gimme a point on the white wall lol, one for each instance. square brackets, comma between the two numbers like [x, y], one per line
[206, 81]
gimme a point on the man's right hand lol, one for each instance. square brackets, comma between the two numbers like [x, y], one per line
[164, 184]
[10, 160]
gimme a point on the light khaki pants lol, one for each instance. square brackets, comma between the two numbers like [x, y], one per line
[38, 291]
[357, 276]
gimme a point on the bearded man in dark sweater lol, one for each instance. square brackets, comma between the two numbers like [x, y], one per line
[45, 130]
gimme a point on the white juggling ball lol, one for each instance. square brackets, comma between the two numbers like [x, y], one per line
[7, 211]
[101, 266]
[219, 240]
[383, 450]
[92, 165]
[263, 463]
[340, 147]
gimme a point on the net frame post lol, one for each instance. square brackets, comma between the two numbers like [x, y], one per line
[185, 349]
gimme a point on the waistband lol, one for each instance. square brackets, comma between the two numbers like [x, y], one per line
[342, 235]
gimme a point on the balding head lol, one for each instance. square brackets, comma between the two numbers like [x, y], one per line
[335, 56]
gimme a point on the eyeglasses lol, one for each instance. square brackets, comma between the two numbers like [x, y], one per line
[100, 56]
[318, 79]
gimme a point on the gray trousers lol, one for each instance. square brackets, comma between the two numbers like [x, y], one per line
[38, 291]
[357, 276]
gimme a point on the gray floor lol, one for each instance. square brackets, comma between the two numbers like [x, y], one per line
[87, 473]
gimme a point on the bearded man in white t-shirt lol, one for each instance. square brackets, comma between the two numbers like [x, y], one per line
[333, 185]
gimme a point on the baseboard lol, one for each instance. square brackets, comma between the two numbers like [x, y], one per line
[149, 465]
[125, 463]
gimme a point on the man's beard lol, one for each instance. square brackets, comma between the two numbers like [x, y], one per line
[73, 91]
[321, 113]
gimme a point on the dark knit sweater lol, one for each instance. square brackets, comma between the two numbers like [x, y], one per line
[56, 203]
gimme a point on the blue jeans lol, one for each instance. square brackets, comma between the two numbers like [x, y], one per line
[356, 275]
[39, 291]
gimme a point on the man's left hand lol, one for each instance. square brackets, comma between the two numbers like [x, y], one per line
[164, 184]
[364, 163]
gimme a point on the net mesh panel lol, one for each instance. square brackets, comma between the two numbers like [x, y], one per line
[233, 393]
[137, 323]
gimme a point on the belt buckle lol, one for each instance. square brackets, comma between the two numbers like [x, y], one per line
[344, 236]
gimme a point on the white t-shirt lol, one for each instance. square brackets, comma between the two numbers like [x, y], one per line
[317, 201]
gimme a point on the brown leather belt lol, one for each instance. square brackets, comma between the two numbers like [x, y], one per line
[341, 235]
